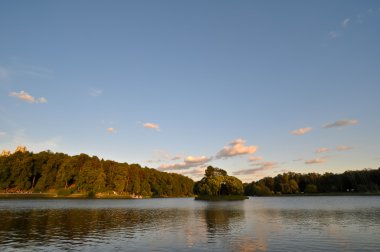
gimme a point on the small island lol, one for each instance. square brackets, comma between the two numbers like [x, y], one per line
[216, 185]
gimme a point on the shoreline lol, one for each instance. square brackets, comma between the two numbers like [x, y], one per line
[85, 196]
[321, 194]
[28, 195]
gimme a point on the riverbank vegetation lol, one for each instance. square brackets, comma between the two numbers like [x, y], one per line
[62, 175]
[46, 174]
[363, 182]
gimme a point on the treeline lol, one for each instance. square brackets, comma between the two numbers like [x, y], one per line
[47, 171]
[294, 183]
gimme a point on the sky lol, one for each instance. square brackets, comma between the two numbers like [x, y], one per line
[256, 88]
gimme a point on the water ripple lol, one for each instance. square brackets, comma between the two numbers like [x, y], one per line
[257, 224]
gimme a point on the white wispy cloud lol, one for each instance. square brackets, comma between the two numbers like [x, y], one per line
[262, 166]
[332, 34]
[188, 162]
[94, 92]
[344, 148]
[20, 137]
[315, 161]
[298, 160]
[176, 158]
[153, 161]
[151, 126]
[3, 134]
[341, 123]
[195, 173]
[41, 100]
[35, 71]
[301, 131]
[255, 158]
[346, 21]
[235, 148]
[322, 150]
[24, 96]
[111, 130]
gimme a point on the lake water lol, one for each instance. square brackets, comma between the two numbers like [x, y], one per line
[256, 224]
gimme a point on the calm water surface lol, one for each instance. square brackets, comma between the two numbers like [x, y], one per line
[257, 224]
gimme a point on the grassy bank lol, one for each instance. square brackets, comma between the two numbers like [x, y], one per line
[55, 195]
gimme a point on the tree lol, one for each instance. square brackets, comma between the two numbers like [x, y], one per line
[216, 182]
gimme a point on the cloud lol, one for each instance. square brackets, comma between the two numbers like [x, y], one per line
[301, 131]
[176, 158]
[344, 148]
[41, 100]
[24, 96]
[153, 161]
[263, 166]
[151, 126]
[19, 137]
[345, 22]
[332, 34]
[196, 160]
[189, 161]
[297, 160]
[322, 149]
[340, 123]
[255, 158]
[4, 73]
[94, 92]
[2, 134]
[111, 130]
[195, 173]
[236, 148]
[315, 161]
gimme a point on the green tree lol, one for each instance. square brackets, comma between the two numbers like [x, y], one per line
[216, 182]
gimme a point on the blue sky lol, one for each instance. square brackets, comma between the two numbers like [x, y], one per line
[254, 87]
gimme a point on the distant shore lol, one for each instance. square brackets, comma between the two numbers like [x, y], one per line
[222, 198]
[321, 194]
[47, 195]
[53, 195]
[57, 196]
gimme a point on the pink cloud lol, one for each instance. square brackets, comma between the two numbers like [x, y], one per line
[322, 150]
[315, 161]
[301, 131]
[263, 166]
[235, 148]
[151, 126]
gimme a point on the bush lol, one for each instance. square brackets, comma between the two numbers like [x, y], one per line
[310, 188]
[64, 192]
[91, 194]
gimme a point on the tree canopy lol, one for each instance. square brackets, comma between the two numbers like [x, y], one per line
[47, 171]
[216, 182]
[292, 183]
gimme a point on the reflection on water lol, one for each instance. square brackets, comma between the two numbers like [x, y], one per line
[257, 224]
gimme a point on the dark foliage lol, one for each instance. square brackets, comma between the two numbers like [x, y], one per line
[292, 183]
[46, 171]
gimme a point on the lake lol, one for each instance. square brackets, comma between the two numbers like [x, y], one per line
[183, 224]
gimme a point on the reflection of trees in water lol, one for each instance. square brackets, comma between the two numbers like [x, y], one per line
[228, 224]
[76, 224]
[221, 219]
[322, 217]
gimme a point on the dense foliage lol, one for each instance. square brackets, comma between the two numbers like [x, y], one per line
[293, 183]
[216, 182]
[46, 171]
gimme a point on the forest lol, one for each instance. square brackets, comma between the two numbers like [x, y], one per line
[46, 171]
[362, 181]
[24, 171]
